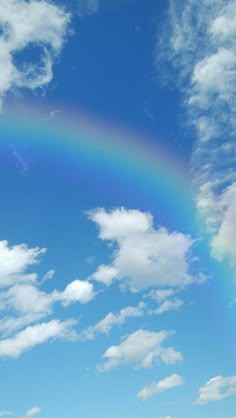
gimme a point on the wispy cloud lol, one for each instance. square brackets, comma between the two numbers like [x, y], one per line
[201, 45]
[105, 325]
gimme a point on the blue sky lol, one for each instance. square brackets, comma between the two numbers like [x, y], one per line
[118, 208]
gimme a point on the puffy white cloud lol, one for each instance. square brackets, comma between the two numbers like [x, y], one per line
[105, 325]
[201, 44]
[156, 387]
[140, 349]
[35, 335]
[25, 24]
[77, 291]
[144, 256]
[216, 389]
[32, 412]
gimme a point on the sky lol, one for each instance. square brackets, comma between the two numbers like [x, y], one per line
[118, 208]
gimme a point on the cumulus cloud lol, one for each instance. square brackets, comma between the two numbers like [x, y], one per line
[201, 44]
[105, 325]
[140, 349]
[26, 24]
[217, 389]
[156, 387]
[144, 256]
[32, 412]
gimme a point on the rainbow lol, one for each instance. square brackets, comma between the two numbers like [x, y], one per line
[138, 163]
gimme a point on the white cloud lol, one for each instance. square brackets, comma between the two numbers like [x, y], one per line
[26, 24]
[223, 242]
[32, 412]
[156, 387]
[35, 335]
[77, 291]
[105, 325]
[201, 44]
[88, 7]
[140, 349]
[161, 295]
[165, 304]
[5, 413]
[217, 389]
[169, 305]
[144, 256]
[23, 303]
[15, 260]
[105, 274]
[48, 276]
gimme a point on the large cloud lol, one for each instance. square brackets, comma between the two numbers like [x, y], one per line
[144, 256]
[201, 44]
[25, 24]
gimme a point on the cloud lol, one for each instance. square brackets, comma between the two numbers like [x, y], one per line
[140, 349]
[143, 256]
[32, 412]
[169, 305]
[216, 389]
[26, 24]
[156, 387]
[88, 7]
[5, 413]
[165, 303]
[200, 42]
[105, 325]
[32, 336]
[23, 303]
[15, 260]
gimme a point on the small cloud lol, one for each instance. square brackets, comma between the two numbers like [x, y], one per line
[140, 349]
[32, 412]
[48, 276]
[157, 387]
[216, 389]
[105, 325]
